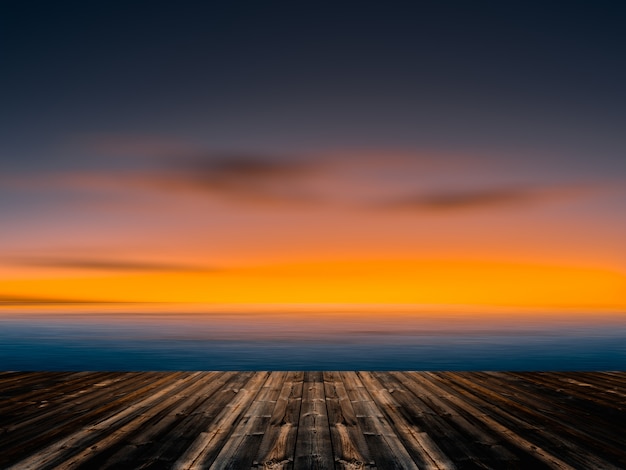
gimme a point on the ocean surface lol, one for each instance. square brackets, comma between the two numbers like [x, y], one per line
[293, 341]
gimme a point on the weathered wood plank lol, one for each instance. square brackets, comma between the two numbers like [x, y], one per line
[618, 377]
[386, 447]
[574, 386]
[568, 443]
[20, 382]
[131, 445]
[137, 445]
[531, 436]
[204, 449]
[420, 445]
[71, 395]
[81, 410]
[277, 448]
[471, 412]
[162, 453]
[241, 448]
[287, 420]
[463, 440]
[15, 408]
[349, 446]
[60, 450]
[313, 444]
[558, 410]
[107, 439]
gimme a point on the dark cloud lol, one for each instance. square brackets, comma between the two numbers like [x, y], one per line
[249, 168]
[461, 200]
[108, 265]
[245, 177]
[20, 300]
[345, 178]
[182, 156]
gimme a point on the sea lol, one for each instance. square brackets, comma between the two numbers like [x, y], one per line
[296, 340]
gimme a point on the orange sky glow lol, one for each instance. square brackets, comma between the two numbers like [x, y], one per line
[331, 230]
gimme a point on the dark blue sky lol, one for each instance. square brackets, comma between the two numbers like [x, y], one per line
[510, 78]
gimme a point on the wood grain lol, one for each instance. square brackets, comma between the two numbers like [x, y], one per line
[312, 420]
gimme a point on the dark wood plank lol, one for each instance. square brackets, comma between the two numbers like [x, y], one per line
[163, 452]
[349, 446]
[36, 433]
[277, 448]
[204, 449]
[570, 443]
[467, 442]
[386, 447]
[243, 444]
[109, 438]
[529, 434]
[62, 449]
[425, 453]
[137, 438]
[297, 420]
[508, 433]
[313, 444]
[561, 411]
[27, 410]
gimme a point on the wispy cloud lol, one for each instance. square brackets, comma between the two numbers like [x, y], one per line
[102, 264]
[348, 179]
[176, 166]
[240, 176]
[481, 198]
[21, 300]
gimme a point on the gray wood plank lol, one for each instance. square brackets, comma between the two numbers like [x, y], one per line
[208, 443]
[159, 410]
[144, 437]
[420, 445]
[386, 448]
[349, 446]
[468, 442]
[86, 405]
[242, 446]
[50, 456]
[511, 428]
[560, 411]
[162, 453]
[277, 448]
[569, 444]
[313, 444]
[287, 420]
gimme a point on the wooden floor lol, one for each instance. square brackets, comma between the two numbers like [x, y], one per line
[308, 420]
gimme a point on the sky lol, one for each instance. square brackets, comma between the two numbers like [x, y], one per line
[442, 155]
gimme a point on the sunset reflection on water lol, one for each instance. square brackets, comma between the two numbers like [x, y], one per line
[310, 341]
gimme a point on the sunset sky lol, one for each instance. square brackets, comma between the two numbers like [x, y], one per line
[447, 154]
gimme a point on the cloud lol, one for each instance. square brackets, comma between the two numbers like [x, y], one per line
[473, 199]
[94, 264]
[239, 168]
[174, 164]
[20, 300]
[170, 167]
[241, 177]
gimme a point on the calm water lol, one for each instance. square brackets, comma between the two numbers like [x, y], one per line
[324, 342]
